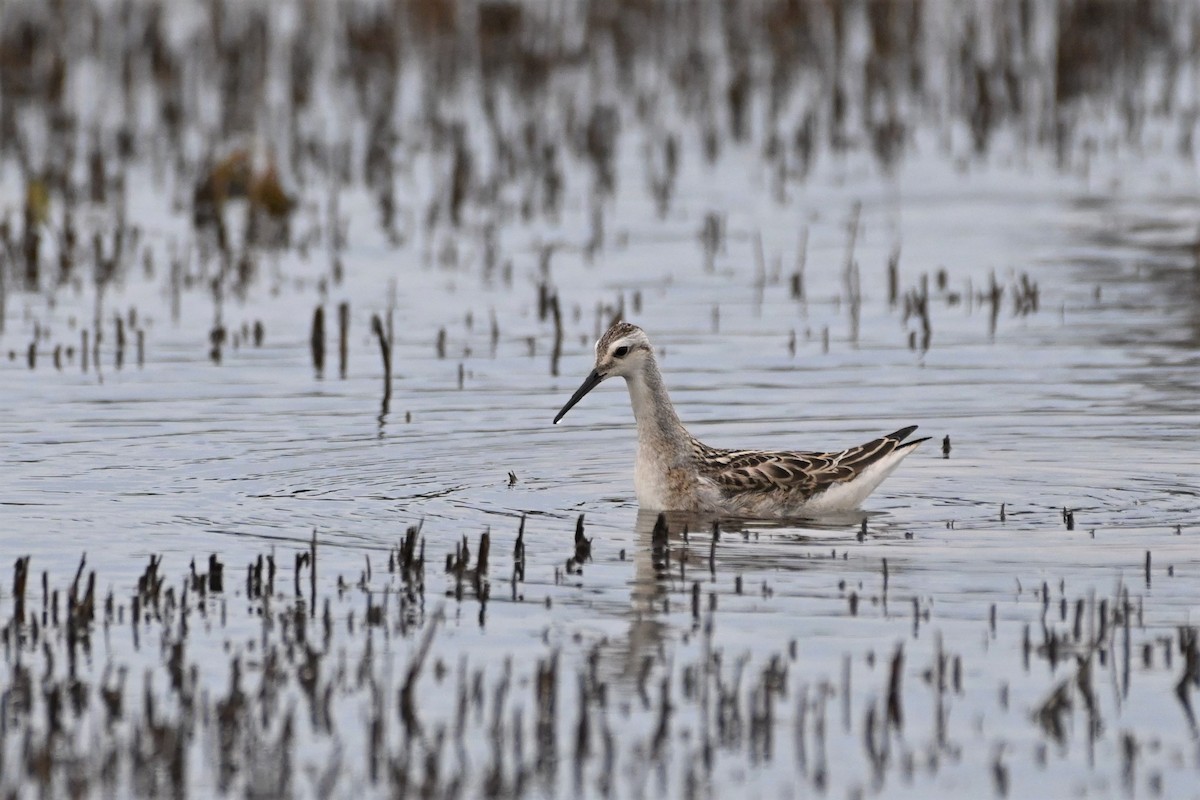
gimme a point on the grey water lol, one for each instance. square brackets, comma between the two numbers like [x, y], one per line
[1013, 612]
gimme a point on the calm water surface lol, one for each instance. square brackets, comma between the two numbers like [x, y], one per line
[1087, 404]
[761, 665]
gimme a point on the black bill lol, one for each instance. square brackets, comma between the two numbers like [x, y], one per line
[589, 383]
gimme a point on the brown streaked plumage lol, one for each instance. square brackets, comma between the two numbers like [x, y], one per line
[674, 471]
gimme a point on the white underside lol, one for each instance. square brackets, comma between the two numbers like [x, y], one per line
[849, 496]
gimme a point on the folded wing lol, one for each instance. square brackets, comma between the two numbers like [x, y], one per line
[800, 475]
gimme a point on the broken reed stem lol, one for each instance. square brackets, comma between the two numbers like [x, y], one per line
[556, 354]
[20, 579]
[312, 576]
[895, 713]
[485, 546]
[385, 351]
[893, 268]
[343, 338]
[316, 341]
[712, 547]
[519, 553]
[120, 340]
[583, 545]
[801, 261]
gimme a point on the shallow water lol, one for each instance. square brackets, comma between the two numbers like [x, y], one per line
[760, 665]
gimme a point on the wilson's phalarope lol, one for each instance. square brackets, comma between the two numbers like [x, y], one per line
[675, 472]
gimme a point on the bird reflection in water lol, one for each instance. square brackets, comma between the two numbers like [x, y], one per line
[678, 554]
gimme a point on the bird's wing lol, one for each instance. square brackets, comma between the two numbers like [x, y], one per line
[803, 474]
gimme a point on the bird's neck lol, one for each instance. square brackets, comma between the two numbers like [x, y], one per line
[659, 428]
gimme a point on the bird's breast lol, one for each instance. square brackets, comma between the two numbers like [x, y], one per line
[662, 484]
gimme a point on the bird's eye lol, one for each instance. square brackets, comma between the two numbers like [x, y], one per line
[621, 351]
